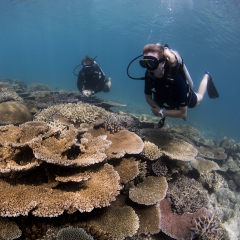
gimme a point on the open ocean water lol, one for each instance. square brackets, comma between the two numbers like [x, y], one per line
[43, 41]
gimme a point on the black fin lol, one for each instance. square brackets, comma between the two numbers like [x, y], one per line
[212, 91]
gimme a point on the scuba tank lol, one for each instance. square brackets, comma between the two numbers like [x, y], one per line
[176, 64]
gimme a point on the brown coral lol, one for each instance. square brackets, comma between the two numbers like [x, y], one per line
[151, 151]
[204, 166]
[152, 190]
[119, 222]
[187, 195]
[127, 169]
[213, 153]
[45, 201]
[14, 113]
[9, 229]
[170, 146]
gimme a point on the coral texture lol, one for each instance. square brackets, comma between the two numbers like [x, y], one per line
[14, 113]
[151, 151]
[159, 168]
[178, 226]
[152, 190]
[119, 222]
[170, 146]
[127, 169]
[9, 229]
[204, 166]
[209, 227]
[213, 153]
[187, 195]
[71, 233]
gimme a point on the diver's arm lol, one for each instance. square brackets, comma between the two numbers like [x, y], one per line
[151, 102]
[174, 113]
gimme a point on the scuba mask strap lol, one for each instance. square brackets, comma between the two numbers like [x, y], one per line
[142, 78]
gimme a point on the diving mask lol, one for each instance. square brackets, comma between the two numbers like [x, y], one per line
[150, 62]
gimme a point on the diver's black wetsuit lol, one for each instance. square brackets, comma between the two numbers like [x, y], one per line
[172, 93]
[94, 80]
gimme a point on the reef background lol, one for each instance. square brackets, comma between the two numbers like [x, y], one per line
[43, 41]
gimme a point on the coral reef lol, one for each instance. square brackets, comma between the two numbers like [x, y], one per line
[212, 153]
[213, 180]
[170, 146]
[187, 195]
[14, 113]
[38, 87]
[127, 169]
[9, 229]
[119, 222]
[71, 233]
[159, 168]
[204, 166]
[209, 227]
[178, 226]
[152, 190]
[151, 151]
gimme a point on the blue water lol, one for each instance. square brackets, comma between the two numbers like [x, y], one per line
[43, 41]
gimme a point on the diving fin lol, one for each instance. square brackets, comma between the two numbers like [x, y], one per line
[212, 91]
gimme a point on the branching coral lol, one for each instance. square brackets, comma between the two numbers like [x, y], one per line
[159, 168]
[187, 195]
[209, 227]
[151, 151]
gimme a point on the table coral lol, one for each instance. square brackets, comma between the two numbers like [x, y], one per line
[170, 146]
[204, 166]
[119, 222]
[213, 153]
[152, 190]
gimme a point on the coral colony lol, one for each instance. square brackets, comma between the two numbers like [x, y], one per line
[73, 169]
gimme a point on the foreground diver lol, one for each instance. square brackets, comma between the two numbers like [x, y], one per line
[91, 78]
[168, 80]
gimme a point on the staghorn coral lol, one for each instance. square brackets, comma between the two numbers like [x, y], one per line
[170, 146]
[14, 113]
[213, 153]
[187, 195]
[153, 189]
[6, 96]
[159, 168]
[151, 151]
[127, 169]
[118, 222]
[71, 233]
[213, 180]
[209, 227]
[178, 226]
[204, 166]
[9, 229]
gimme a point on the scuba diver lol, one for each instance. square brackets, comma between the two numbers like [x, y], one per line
[91, 78]
[169, 82]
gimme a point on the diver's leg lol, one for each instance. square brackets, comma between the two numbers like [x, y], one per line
[202, 89]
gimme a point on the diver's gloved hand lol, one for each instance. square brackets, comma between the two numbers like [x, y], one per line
[87, 93]
[109, 82]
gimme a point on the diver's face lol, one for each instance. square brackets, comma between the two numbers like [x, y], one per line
[159, 72]
[87, 63]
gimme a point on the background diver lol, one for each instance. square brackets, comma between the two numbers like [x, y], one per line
[168, 81]
[91, 78]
